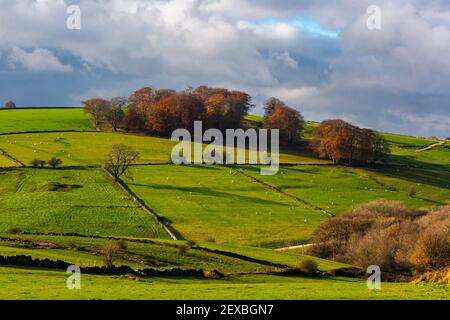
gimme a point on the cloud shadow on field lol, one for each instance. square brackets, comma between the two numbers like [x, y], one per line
[214, 193]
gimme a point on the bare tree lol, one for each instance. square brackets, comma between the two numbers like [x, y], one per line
[119, 160]
[110, 252]
[98, 108]
[116, 114]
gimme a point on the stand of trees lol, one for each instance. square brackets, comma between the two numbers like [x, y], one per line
[161, 111]
[104, 112]
[343, 142]
[10, 105]
[288, 120]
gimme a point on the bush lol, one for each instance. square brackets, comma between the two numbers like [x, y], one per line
[122, 245]
[432, 251]
[309, 266]
[110, 252]
[191, 243]
[10, 105]
[55, 162]
[14, 231]
[37, 163]
[387, 234]
[183, 249]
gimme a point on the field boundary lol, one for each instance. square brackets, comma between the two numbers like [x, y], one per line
[48, 131]
[228, 254]
[273, 188]
[175, 235]
[7, 155]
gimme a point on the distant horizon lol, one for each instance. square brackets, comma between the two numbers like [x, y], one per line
[382, 66]
[251, 113]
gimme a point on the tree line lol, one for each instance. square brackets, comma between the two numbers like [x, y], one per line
[161, 111]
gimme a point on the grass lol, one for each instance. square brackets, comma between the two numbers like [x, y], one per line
[6, 162]
[207, 202]
[337, 189]
[83, 149]
[138, 255]
[155, 254]
[291, 259]
[17, 283]
[90, 148]
[220, 208]
[26, 120]
[64, 201]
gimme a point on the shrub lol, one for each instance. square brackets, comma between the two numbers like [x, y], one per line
[110, 252]
[14, 231]
[309, 266]
[122, 245]
[54, 162]
[412, 192]
[377, 247]
[183, 249]
[432, 251]
[191, 243]
[37, 163]
[10, 105]
[387, 234]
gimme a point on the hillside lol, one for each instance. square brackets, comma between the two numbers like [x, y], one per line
[227, 219]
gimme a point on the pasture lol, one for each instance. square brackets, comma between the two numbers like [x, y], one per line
[233, 216]
[70, 201]
[243, 287]
[220, 204]
[90, 148]
[337, 189]
[155, 253]
[52, 119]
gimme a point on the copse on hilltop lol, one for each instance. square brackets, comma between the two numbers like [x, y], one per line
[288, 120]
[344, 143]
[160, 111]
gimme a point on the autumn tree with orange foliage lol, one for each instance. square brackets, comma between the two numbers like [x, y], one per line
[176, 111]
[162, 110]
[225, 109]
[343, 142]
[288, 120]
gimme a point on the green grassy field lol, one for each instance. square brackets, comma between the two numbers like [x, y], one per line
[28, 120]
[155, 254]
[28, 284]
[234, 220]
[206, 202]
[63, 201]
[90, 148]
[6, 163]
[337, 189]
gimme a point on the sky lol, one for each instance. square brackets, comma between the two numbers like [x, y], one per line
[318, 56]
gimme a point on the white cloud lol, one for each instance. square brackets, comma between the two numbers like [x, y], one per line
[37, 60]
[176, 43]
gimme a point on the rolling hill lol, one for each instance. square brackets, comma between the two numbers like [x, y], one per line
[227, 220]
